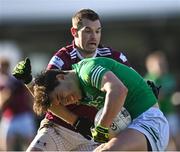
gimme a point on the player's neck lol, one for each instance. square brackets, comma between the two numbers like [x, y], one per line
[82, 54]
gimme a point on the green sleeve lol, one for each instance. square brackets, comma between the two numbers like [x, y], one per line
[92, 75]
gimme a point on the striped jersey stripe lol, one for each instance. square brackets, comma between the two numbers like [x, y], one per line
[104, 51]
[73, 54]
[100, 52]
[96, 72]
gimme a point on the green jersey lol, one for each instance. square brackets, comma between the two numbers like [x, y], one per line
[90, 72]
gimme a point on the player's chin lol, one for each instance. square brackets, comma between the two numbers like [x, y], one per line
[91, 49]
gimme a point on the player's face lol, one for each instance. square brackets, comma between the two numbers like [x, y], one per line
[65, 93]
[89, 35]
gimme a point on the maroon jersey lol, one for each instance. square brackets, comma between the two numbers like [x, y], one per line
[63, 59]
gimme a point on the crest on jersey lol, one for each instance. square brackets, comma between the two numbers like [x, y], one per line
[123, 57]
[56, 61]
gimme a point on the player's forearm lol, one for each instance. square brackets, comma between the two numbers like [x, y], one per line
[116, 93]
[30, 86]
[113, 103]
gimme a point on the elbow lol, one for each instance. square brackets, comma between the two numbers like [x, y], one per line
[120, 92]
[124, 91]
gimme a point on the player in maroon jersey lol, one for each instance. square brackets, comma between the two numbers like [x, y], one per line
[69, 55]
[86, 30]
[54, 133]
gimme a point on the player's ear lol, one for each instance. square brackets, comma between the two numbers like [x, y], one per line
[74, 31]
[60, 76]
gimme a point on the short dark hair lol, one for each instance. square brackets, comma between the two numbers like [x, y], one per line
[45, 83]
[84, 13]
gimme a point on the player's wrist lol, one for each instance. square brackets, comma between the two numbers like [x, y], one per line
[31, 83]
[27, 79]
[102, 129]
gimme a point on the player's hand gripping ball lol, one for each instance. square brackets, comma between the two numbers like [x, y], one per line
[100, 134]
[22, 71]
[120, 122]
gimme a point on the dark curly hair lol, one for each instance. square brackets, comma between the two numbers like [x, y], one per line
[44, 84]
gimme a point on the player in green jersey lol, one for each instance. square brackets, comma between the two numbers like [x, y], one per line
[103, 82]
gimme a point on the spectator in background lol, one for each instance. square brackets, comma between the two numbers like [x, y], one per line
[158, 71]
[17, 125]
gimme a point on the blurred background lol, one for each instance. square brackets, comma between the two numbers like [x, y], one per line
[38, 28]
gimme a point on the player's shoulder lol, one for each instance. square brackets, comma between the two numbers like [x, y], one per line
[65, 50]
[62, 58]
[109, 51]
[67, 53]
[106, 50]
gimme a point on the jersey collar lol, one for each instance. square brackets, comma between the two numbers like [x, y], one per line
[81, 57]
[78, 54]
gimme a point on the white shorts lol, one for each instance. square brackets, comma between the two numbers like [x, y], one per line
[153, 124]
[54, 137]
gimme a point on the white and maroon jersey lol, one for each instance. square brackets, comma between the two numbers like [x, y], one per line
[63, 59]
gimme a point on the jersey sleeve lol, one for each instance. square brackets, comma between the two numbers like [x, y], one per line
[60, 60]
[120, 57]
[55, 63]
[92, 75]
